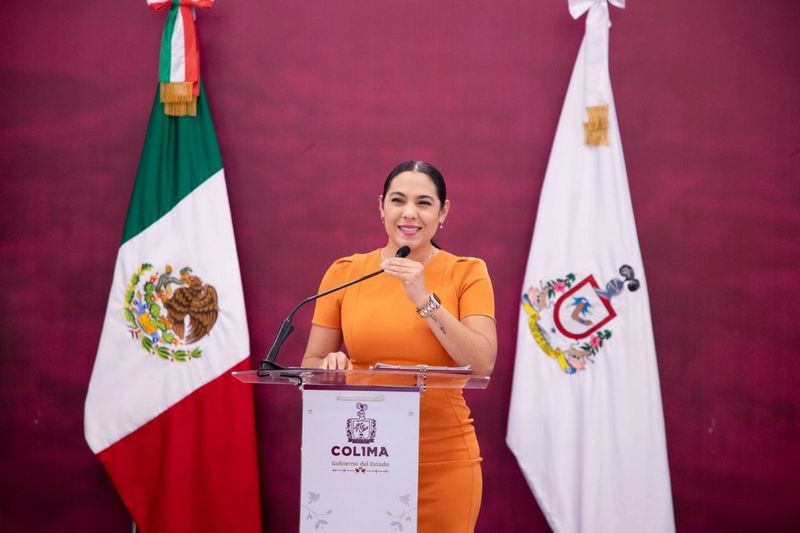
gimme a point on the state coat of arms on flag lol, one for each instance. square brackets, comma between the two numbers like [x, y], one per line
[568, 319]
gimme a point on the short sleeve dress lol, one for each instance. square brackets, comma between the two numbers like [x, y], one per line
[380, 324]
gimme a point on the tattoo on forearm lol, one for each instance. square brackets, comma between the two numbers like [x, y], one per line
[439, 324]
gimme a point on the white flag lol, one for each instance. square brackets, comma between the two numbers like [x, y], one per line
[585, 420]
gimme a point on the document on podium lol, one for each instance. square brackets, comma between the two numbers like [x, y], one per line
[424, 368]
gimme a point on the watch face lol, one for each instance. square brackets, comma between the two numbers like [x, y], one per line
[436, 298]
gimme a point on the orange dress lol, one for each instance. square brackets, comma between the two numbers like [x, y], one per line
[380, 324]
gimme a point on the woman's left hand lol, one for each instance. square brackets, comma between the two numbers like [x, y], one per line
[412, 274]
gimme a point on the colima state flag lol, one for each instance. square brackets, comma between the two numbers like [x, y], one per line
[585, 420]
[174, 430]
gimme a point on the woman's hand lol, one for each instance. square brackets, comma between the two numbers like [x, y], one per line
[321, 351]
[412, 274]
[336, 361]
[471, 341]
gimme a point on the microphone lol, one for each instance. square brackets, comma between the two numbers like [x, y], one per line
[268, 363]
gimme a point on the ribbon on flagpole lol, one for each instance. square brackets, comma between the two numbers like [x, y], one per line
[597, 91]
[579, 7]
[179, 60]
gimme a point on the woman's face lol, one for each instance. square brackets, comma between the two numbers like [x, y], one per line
[411, 210]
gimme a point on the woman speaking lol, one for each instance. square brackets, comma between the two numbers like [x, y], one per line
[430, 308]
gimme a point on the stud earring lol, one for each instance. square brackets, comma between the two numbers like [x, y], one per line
[441, 225]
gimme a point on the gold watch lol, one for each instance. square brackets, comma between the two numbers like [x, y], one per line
[432, 305]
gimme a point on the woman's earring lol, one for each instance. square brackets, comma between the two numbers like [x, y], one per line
[383, 221]
[441, 225]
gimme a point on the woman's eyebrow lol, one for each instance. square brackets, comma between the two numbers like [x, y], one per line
[420, 197]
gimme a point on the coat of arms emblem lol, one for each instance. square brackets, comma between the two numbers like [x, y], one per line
[568, 319]
[157, 307]
[361, 430]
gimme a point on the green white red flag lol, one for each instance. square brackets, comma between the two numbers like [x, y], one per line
[173, 429]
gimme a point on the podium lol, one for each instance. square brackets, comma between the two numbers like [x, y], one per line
[360, 443]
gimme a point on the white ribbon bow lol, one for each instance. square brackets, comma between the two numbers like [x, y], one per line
[579, 7]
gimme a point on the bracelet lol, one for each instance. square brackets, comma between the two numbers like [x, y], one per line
[432, 305]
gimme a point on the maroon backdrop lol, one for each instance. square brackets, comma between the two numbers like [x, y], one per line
[314, 102]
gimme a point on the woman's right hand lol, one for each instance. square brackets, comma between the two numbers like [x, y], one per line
[336, 361]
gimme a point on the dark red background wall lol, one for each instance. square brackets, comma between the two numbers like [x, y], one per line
[314, 102]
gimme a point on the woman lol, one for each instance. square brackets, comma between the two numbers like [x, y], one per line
[430, 307]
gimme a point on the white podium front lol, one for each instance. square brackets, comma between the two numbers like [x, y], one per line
[359, 459]
[360, 444]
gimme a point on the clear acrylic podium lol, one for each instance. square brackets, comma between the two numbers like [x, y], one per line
[360, 443]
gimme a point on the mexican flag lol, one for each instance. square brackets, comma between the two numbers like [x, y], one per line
[174, 430]
[585, 421]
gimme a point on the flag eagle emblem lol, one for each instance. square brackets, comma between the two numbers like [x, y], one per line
[156, 313]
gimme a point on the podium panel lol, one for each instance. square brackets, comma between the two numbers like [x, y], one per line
[360, 450]
[360, 443]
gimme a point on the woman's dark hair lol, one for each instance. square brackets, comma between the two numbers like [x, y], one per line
[425, 168]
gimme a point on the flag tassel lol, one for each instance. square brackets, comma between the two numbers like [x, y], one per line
[596, 129]
[178, 99]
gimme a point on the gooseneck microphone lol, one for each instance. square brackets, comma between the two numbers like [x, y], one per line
[268, 363]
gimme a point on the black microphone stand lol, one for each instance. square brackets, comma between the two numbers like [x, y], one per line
[268, 363]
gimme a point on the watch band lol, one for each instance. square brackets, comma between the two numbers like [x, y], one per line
[432, 305]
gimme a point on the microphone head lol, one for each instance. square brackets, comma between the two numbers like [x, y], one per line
[403, 251]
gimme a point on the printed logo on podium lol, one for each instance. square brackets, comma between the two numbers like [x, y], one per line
[361, 430]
